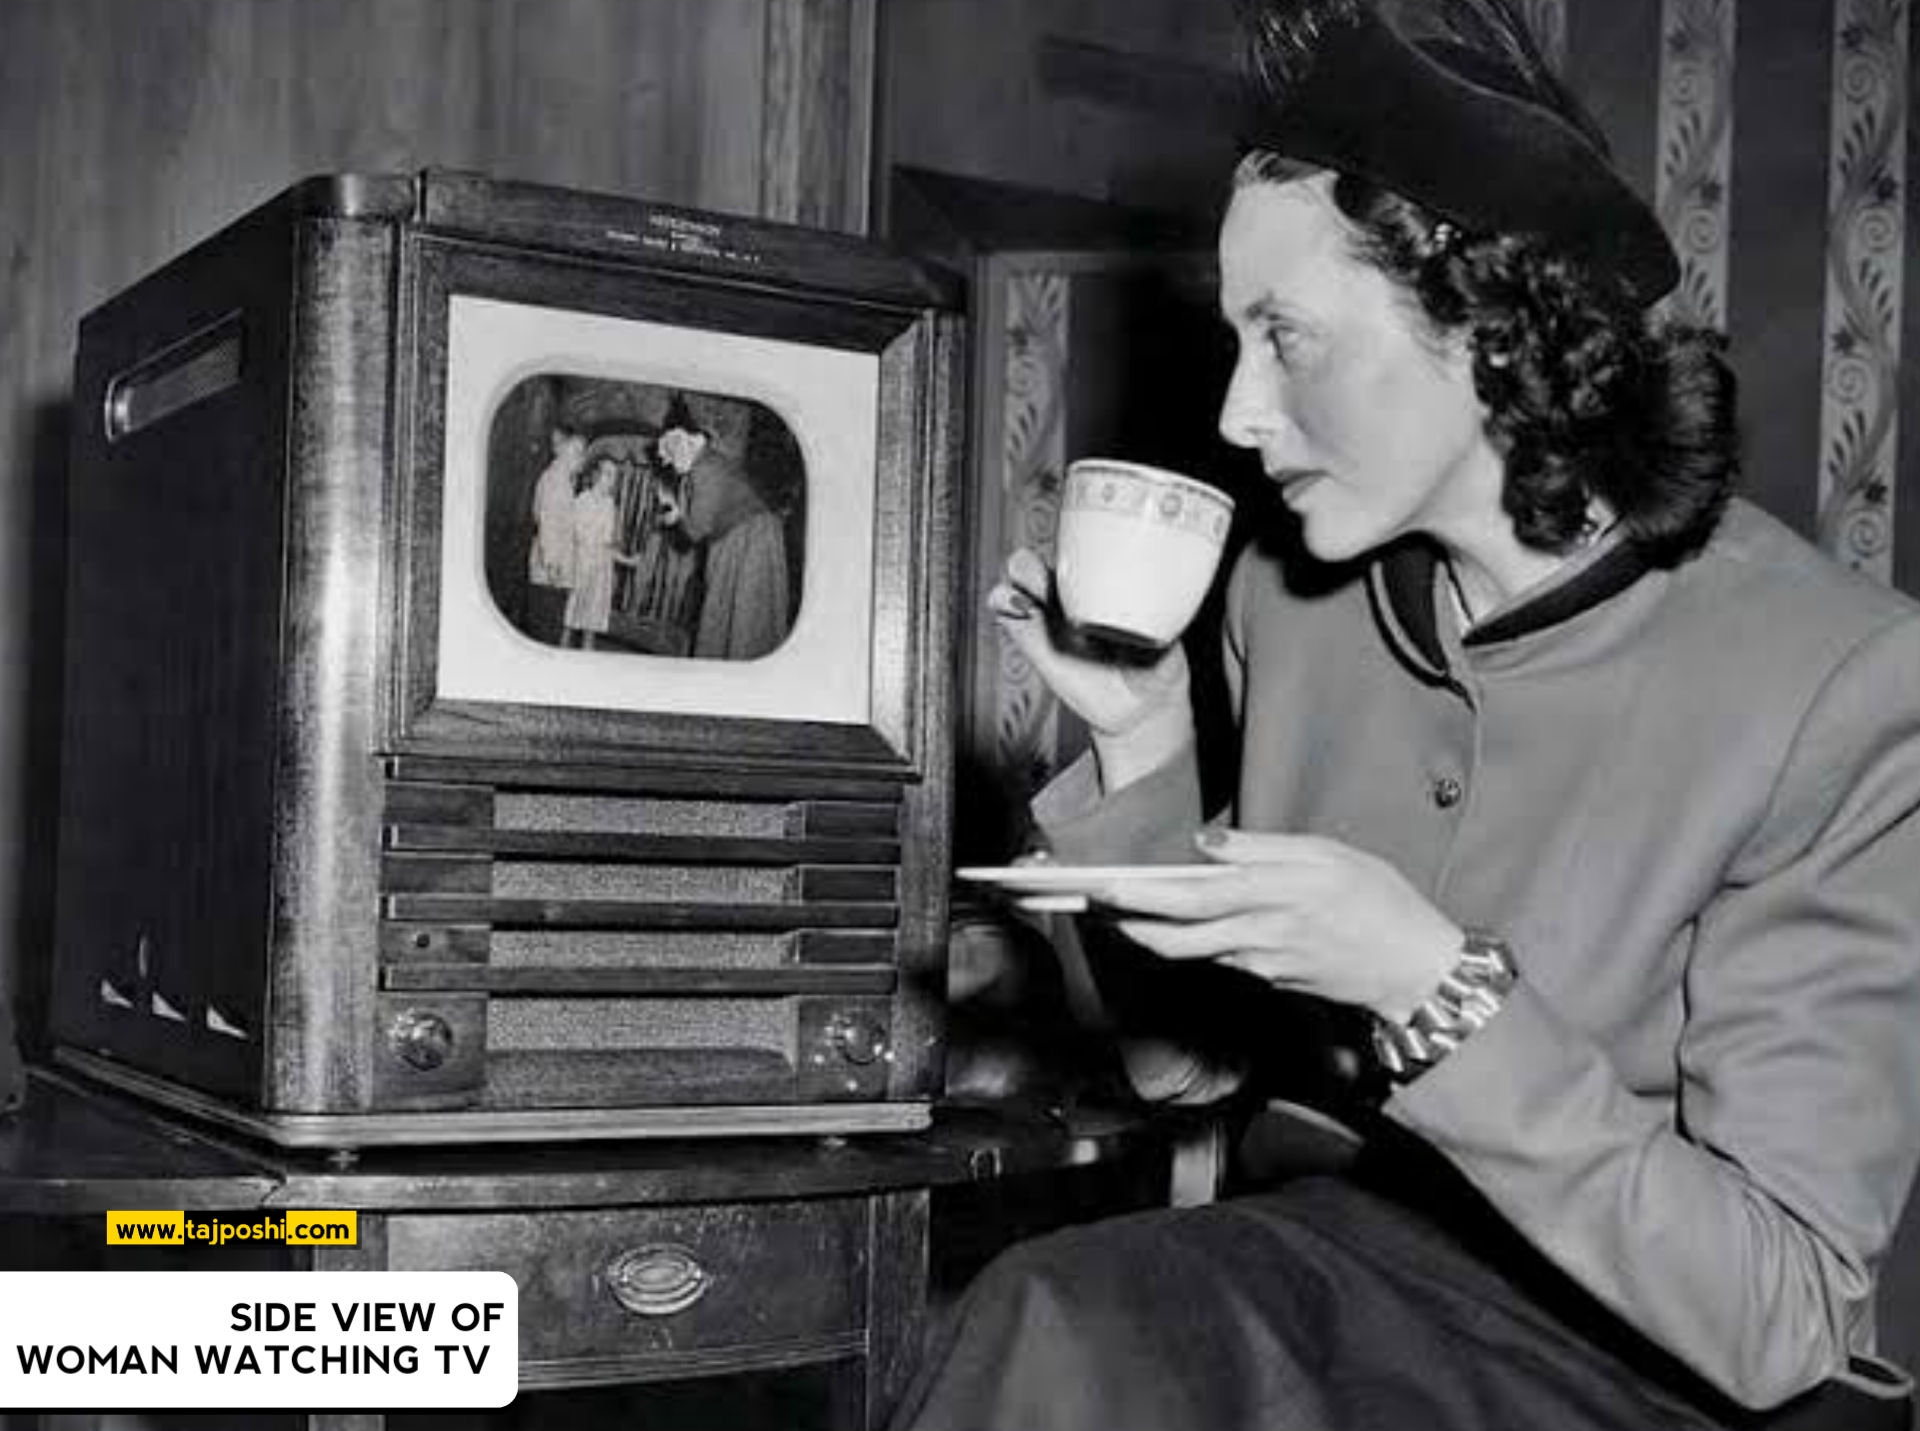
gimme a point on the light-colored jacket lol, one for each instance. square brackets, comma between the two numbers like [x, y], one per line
[1691, 801]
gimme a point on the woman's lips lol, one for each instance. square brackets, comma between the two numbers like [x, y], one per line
[1294, 485]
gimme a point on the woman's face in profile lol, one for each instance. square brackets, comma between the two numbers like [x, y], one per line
[1368, 421]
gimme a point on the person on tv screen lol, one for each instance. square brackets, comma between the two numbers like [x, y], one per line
[550, 556]
[745, 609]
[596, 520]
[1586, 795]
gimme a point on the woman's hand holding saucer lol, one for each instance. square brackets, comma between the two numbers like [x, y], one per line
[1304, 913]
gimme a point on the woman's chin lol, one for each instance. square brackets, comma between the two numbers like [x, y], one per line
[1333, 541]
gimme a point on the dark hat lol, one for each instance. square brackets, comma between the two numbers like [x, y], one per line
[1447, 103]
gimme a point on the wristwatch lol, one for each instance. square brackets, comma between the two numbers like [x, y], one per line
[1469, 996]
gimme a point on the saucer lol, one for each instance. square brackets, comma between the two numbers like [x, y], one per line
[1064, 889]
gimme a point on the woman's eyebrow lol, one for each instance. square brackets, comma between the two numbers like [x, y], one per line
[1266, 309]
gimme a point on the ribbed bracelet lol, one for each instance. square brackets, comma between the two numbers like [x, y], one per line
[1468, 997]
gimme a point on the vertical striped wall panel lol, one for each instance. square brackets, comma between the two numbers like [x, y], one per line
[1774, 142]
[1033, 453]
[1866, 250]
[1695, 162]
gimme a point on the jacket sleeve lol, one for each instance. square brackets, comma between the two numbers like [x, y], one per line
[1165, 1020]
[1153, 820]
[1744, 1234]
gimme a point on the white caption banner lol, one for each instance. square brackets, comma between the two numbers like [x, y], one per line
[205, 1340]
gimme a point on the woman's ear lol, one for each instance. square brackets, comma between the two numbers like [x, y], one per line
[1460, 348]
[1458, 353]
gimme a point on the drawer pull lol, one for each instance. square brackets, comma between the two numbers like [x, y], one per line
[657, 1280]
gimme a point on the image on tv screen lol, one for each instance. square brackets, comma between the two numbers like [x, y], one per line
[636, 517]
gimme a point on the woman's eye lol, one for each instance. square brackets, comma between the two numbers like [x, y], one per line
[1282, 342]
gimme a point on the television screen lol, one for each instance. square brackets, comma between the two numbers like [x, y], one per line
[652, 517]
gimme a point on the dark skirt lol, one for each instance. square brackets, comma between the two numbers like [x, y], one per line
[1324, 1306]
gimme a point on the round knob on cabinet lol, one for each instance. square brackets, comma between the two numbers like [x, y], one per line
[421, 1039]
[857, 1039]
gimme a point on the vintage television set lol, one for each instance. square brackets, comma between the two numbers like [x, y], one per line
[508, 673]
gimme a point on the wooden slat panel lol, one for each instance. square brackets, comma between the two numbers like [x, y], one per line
[643, 849]
[617, 914]
[439, 804]
[709, 784]
[655, 982]
[844, 818]
[443, 874]
[874, 885]
[471, 943]
[844, 946]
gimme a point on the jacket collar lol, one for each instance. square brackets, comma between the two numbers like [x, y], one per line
[1404, 582]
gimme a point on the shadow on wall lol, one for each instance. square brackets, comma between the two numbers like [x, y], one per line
[45, 462]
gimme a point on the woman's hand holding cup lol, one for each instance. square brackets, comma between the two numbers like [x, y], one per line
[1136, 706]
[1138, 549]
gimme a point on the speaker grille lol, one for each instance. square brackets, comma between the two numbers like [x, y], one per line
[619, 1024]
[614, 814]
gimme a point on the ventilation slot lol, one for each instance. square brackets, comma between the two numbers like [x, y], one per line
[190, 371]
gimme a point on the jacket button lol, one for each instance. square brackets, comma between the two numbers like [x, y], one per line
[1447, 792]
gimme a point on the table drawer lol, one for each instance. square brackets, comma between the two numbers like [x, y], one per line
[619, 1292]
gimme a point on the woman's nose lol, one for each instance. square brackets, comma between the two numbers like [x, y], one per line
[1250, 410]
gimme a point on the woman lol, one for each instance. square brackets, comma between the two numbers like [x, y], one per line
[1595, 793]
[745, 612]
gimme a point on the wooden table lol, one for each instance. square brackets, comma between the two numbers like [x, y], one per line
[813, 1254]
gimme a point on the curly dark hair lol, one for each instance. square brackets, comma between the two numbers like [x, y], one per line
[1587, 395]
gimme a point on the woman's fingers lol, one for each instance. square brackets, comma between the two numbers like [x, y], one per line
[1008, 600]
[1229, 846]
[1106, 691]
[1183, 897]
[1203, 939]
[1021, 594]
[1028, 573]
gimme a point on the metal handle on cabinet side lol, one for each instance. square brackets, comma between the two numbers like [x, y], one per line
[657, 1280]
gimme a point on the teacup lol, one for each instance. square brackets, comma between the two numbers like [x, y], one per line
[1137, 549]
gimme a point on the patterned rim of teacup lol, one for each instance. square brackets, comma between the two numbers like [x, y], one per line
[1153, 474]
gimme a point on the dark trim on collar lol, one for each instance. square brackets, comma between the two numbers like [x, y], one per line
[1609, 574]
[1406, 578]
[1406, 575]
